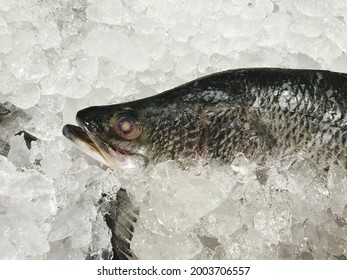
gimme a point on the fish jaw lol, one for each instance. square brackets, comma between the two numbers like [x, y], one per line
[83, 142]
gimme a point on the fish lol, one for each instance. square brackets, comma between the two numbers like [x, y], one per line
[259, 112]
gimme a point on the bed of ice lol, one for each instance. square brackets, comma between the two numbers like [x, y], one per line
[59, 56]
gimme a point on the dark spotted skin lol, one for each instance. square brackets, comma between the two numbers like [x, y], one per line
[259, 112]
[269, 111]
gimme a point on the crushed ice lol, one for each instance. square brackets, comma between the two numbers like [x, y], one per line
[57, 57]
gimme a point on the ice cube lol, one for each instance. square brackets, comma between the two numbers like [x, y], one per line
[6, 43]
[26, 96]
[126, 51]
[52, 103]
[19, 152]
[61, 250]
[340, 64]
[274, 224]
[104, 11]
[317, 48]
[337, 183]
[27, 65]
[72, 87]
[187, 64]
[176, 201]
[65, 224]
[87, 69]
[54, 164]
[153, 241]
[25, 233]
[182, 31]
[313, 8]
[48, 33]
[3, 26]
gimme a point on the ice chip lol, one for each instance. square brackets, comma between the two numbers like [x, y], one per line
[6, 5]
[337, 183]
[26, 96]
[46, 207]
[20, 185]
[22, 11]
[302, 174]
[29, 64]
[52, 103]
[104, 11]
[276, 28]
[310, 27]
[82, 236]
[187, 64]
[101, 235]
[340, 64]
[25, 232]
[182, 31]
[75, 222]
[55, 164]
[274, 224]
[152, 240]
[127, 51]
[313, 8]
[317, 48]
[3, 26]
[175, 200]
[19, 152]
[8, 251]
[145, 25]
[6, 43]
[24, 39]
[225, 219]
[48, 33]
[87, 69]
[79, 165]
[72, 87]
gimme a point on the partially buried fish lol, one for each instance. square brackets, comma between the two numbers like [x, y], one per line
[257, 112]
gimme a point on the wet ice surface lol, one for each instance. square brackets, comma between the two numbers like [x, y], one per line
[57, 57]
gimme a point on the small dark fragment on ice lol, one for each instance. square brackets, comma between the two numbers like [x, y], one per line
[27, 137]
[209, 242]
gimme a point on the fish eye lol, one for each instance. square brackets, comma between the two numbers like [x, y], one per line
[128, 127]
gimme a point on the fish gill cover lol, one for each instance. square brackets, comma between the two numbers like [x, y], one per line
[58, 57]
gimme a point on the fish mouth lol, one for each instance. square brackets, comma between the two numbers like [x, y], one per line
[85, 143]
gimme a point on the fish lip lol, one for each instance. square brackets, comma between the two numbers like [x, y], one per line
[78, 136]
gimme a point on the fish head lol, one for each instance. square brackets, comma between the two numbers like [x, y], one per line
[115, 135]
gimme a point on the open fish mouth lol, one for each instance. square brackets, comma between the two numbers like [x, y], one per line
[86, 144]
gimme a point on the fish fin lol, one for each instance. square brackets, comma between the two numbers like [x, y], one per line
[121, 220]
